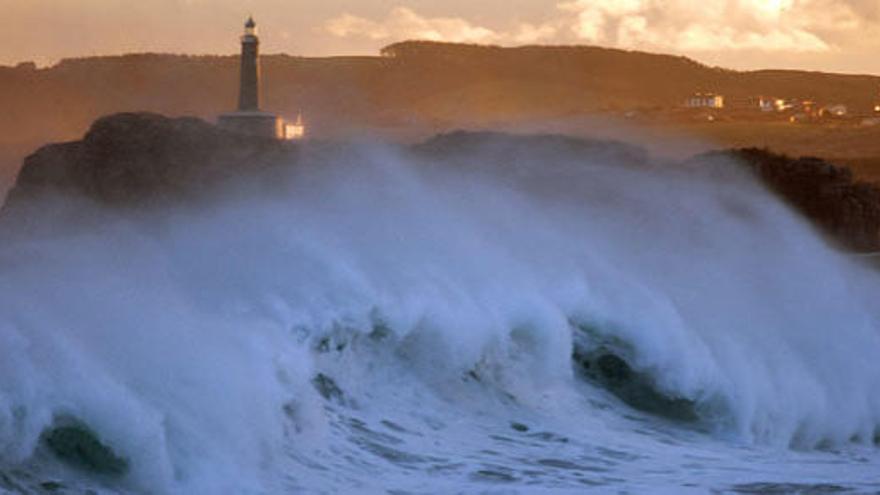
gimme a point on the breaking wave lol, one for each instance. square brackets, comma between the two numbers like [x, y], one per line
[379, 319]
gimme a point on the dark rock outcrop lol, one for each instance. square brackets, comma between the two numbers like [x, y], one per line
[136, 159]
[132, 158]
[846, 209]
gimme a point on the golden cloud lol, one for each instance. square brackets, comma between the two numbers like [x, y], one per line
[800, 26]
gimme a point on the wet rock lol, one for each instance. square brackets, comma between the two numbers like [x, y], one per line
[136, 158]
[830, 196]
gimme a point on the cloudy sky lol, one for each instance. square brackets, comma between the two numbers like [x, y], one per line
[832, 35]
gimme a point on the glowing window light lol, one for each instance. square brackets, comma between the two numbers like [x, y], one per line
[294, 131]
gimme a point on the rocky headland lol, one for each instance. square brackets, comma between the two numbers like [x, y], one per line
[134, 160]
[843, 207]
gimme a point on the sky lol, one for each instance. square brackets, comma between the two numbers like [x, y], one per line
[828, 35]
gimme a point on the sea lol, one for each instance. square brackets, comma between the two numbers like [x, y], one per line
[377, 321]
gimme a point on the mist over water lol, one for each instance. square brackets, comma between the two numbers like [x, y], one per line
[381, 320]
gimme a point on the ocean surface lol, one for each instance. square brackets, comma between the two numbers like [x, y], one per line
[377, 322]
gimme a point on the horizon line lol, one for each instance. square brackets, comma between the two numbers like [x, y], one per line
[54, 63]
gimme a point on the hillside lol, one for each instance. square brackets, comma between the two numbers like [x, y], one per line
[413, 90]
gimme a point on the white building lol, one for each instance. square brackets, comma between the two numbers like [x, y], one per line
[296, 130]
[705, 100]
[775, 104]
[834, 111]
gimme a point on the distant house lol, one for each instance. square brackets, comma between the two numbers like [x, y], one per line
[705, 100]
[809, 107]
[775, 104]
[769, 104]
[834, 111]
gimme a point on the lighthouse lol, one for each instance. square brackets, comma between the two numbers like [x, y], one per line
[250, 118]
[249, 89]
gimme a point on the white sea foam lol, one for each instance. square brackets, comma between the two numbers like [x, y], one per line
[188, 339]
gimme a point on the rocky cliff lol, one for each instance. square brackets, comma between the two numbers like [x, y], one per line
[137, 159]
[846, 209]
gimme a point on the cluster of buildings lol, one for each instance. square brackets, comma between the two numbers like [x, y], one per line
[705, 100]
[791, 109]
[250, 118]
